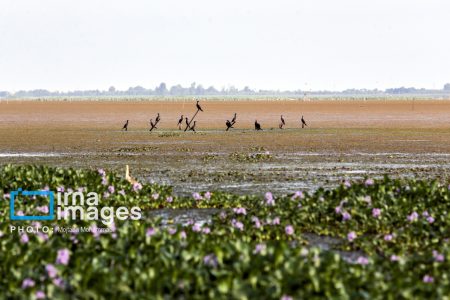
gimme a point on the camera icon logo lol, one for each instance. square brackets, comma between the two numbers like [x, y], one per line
[14, 196]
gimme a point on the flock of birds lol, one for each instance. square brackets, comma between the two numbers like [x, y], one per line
[191, 126]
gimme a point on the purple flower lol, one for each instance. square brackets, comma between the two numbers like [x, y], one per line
[369, 182]
[60, 189]
[347, 183]
[104, 181]
[111, 189]
[208, 195]
[438, 256]
[106, 195]
[346, 216]
[155, 196]
[137, 186]
[101, 172]
[51, 270]
[183, 235]
[206, 230]
[338, 209]
[169, 199]
[362, 260]
[276, 221]
[58, 282]
[351, 236]
[197, 227]
[428, 279]
[298, 194]
[425, 214]
[388, 237]
[172, 230]
[197, 196]
[240, 211]
[210, 260]
[256, 221]
[95, 231]
[150, 232]
[43, 209]
[122, 192]
[269, 199]
[36, 224]
[237, 224]
[430, 219]
[40, 295]
[286, 297]
[27, 282]
[222, 215]
[289, 230]
[413, 217]
[394, 257]
[24, 239]
[376, 212]
[63, 256]
[259, 248]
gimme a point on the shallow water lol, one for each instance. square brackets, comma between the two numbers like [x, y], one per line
[286, 172]
[36, 154]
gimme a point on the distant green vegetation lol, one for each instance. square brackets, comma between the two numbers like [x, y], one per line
[254, 248]
[251, 157]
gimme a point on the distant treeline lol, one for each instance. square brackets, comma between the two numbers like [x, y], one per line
[199, 90]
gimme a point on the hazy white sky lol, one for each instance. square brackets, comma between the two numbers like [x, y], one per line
[283, 44]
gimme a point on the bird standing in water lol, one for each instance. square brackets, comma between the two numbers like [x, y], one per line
[125, 126]
[193, 126]
[257, 125]
[303, 122]
[180, 121]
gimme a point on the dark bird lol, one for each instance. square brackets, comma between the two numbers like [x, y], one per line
[303, 122]
[187, 124]
[229, 125]
[198, 106]
[282, 122]
[180, 121]
[234, 119]
[157, 119]
[257, 125]
[193, 126]
[125, 126]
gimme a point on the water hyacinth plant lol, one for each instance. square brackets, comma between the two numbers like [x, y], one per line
[251, 247]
